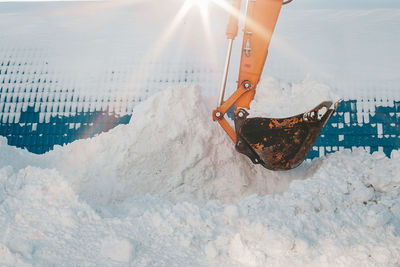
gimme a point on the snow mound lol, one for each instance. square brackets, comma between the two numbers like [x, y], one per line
[278, 99]
[171, 148]
[346, 213]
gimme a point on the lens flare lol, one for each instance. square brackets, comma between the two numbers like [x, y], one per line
[201, 4]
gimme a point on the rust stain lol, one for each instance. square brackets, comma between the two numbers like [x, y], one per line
[280, 144]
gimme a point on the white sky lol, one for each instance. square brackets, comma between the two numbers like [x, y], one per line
[348, 3]
[8, 1]
[296, 3]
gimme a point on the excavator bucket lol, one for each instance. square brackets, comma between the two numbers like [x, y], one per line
[281, 144]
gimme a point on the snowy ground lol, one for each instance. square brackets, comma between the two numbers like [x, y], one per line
[169, 190]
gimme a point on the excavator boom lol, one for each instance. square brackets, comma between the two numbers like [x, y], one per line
[261, 19]
[260, 23]
[276, 144]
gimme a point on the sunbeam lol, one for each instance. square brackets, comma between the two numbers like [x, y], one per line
[155, 51]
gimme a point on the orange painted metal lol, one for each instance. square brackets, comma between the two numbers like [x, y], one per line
[228, 129]
[224, 108]
[230, 101]
[233, 25]
[260, 23]
[261, 19]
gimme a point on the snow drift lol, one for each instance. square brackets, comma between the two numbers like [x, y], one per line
[278, 99]
[168, 189]
[171, 148]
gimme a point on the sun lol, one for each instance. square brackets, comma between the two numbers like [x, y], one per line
[201, 4]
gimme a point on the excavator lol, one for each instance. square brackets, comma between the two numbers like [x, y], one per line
[274, 143]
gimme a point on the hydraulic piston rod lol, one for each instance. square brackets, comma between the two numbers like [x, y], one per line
[225, 75]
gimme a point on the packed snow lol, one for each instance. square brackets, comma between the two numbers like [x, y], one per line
[280, 99]
[169, 190]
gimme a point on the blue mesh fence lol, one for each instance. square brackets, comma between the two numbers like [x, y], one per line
[37, 112]
[382, 133]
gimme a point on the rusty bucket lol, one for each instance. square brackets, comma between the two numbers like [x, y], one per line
[281, 144]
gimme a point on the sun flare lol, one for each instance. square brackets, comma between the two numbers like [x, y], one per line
[201, 4]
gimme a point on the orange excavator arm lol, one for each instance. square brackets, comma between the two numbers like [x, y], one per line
[276, 144]
[260, 23]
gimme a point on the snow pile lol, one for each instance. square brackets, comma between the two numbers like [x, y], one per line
[346, 213]
[171, 148]
[169, 190]
[278, 99]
